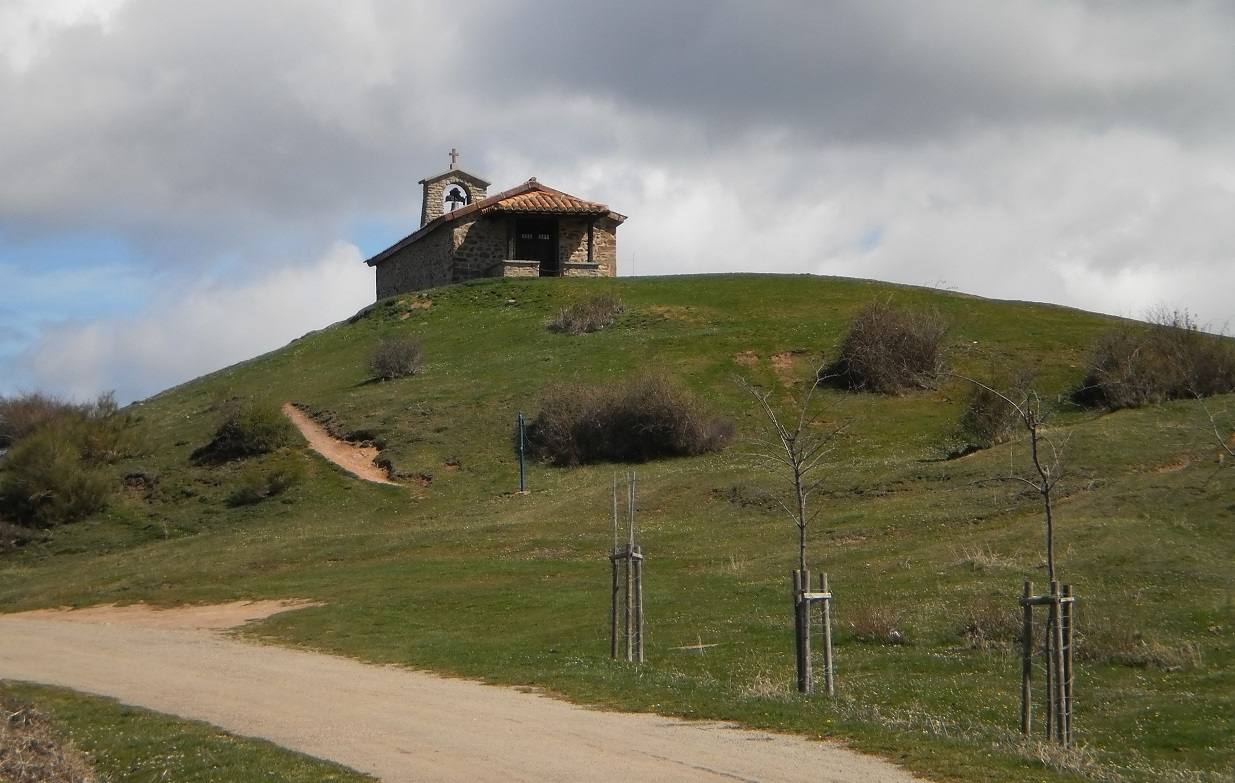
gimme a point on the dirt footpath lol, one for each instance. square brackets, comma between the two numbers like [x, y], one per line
[352, 457]
[397, 724]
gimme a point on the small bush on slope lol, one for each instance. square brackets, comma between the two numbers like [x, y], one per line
[590, 315]
[989, 419]
[397, 357]
[247, 428]
[889, 350]
[274, 476]
[46, 480]
[1171, 358]
[644, 418]
[54, 472]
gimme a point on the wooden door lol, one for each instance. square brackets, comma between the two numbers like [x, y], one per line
[536, 240]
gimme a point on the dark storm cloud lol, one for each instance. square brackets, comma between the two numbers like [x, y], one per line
[883, 71]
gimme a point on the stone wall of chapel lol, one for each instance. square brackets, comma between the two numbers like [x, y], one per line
[425, 264]
[480, 244]
[572, 243]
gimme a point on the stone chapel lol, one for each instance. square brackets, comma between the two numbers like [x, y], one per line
[530, 230]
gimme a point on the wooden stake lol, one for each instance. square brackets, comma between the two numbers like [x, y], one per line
[799, 659]
[1026, 659]
[1061, 722]
[828, 680]
[630, 584]
[1068, 609]
[1048, 664]
[804, 608]
[629, 605]
[613, 567]
[639, 604]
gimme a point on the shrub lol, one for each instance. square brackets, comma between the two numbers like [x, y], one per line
[14, 536]
[590, 315]
[46, 481]
[991, 625]
[54, 471]
[247, 429]
[274, 476]
[988, 419]
[641, 419]
[877, 625]
[1170, 358]
[889, 350]
[397, 357]
[27, 413]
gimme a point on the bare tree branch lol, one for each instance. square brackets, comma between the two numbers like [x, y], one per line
[793, 453]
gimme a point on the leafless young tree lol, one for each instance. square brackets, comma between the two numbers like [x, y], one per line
[793, 447]
[1045, 454]
[1226, 442]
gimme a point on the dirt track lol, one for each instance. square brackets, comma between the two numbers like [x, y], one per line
[397, 724]
[352, 457]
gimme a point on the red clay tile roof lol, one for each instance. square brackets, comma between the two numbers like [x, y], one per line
[547, 200]
[529, 198]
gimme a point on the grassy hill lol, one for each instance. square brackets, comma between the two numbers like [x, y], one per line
[457, 573]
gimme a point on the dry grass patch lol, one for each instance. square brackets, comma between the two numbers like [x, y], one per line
[877, 624]
[590, 315]
[991, 625]
[1107, 641]
[982, 559]
[31, 752]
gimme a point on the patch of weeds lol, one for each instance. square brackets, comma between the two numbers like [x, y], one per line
[247, 428]
[268, 478]
[396, 357]
[876, 624]
[590, 315]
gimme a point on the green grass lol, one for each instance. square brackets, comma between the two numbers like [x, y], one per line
[465, 576]
[130, 745]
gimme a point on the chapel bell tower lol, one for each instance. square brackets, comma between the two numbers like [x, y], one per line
[450, 190]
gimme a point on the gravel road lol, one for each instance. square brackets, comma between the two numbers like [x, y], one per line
[395, 723]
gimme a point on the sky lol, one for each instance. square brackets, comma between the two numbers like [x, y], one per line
[184, 185]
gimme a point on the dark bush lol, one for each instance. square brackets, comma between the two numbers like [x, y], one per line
[641, 419]
[247, 429]
[989, 420]
[258, 481]
[15, 536]
[590, 315]
[47, 481]
[889, 350]
[1170, 358]
[397, 357]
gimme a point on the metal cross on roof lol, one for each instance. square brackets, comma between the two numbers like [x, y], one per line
[454, 157]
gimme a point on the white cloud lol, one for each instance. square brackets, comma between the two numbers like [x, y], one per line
[26, 26]
[202, 328]
[1078, 153]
